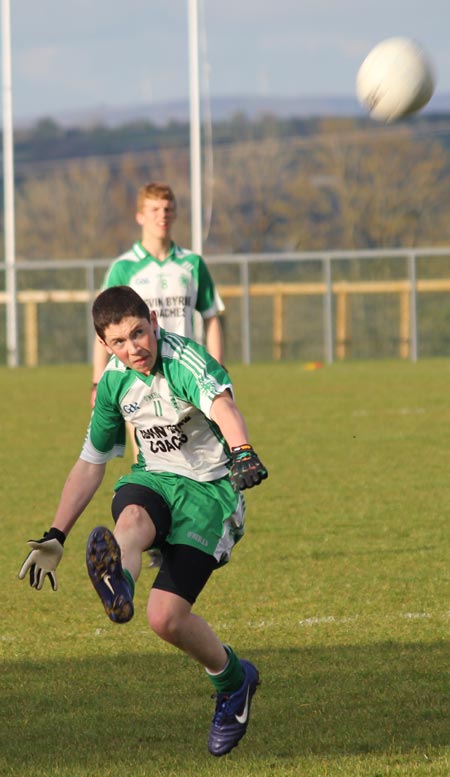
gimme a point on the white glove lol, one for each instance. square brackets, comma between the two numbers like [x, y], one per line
[43, 559]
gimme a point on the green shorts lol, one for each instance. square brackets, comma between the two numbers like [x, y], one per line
[207, 516]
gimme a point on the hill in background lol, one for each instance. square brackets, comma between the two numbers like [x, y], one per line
[222, 109]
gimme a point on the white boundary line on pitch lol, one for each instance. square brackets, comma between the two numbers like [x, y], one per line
[304, 623]
[337, 621]
[317, 621]
[396, 411]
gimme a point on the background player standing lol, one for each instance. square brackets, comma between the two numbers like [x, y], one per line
[173, 281]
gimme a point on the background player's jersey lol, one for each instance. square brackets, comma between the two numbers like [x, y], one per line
[174, 288]
[170, 410]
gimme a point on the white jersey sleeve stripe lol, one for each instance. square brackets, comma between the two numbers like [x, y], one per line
[93, 456]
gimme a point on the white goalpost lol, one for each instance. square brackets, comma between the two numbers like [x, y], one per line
[8, 192]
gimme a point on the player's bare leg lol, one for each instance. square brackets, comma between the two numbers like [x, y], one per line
[134, 532]
[171, 618]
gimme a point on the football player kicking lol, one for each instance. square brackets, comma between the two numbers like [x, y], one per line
[183, 495]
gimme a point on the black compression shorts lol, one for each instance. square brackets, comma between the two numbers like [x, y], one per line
[184, 570]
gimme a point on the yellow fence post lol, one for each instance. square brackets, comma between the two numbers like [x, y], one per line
[277, 325]
[405, 324]
[342, 317]
[31, 334]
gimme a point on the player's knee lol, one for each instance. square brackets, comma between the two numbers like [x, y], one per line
[165, 624]
[132, 517]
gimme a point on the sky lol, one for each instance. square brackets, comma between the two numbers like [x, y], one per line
[80, 55]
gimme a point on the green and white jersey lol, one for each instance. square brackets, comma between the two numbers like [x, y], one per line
[170, 410]
[174, 288]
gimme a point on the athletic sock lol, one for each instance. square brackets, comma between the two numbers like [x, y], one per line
[130, 580]
[230, 679]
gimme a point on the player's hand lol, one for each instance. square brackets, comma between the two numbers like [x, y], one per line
[246, 469]
[43, 559]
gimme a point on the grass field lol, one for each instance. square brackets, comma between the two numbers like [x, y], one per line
[339, 592]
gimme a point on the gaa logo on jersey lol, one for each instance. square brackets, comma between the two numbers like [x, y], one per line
[131, 408]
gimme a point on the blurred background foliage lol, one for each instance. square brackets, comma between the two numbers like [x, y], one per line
[268, 185]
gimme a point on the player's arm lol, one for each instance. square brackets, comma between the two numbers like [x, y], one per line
[246, 469]
[214, 338]
[225, 413]
[46, 553]
[210, 305]
[100, 359]
[81, 484]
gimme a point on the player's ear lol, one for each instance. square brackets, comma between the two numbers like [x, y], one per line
[108, 349]
[154, 322]
[140, 218]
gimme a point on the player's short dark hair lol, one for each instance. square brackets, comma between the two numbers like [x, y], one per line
[116, 303]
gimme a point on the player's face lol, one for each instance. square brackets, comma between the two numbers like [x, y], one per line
[156, 218]
[134, 342]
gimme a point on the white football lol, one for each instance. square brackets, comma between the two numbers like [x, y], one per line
[395, 79]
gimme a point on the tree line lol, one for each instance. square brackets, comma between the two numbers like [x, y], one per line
[269, 185]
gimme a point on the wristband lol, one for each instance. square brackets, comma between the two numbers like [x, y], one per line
[55, 534]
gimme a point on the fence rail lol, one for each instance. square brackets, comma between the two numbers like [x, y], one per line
[336, 296]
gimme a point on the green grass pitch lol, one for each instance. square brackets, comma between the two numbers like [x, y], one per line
[339, 592]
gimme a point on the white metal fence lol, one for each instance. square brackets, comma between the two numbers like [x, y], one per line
[318, 306]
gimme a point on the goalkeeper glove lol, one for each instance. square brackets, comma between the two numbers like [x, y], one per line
[43, 559]
[246, 469]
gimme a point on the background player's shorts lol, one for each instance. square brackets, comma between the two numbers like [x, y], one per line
[205, 516]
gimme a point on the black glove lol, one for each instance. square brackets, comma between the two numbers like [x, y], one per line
[246, 469]
[43, 559]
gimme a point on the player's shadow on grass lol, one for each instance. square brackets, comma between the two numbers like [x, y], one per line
[104, 713]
